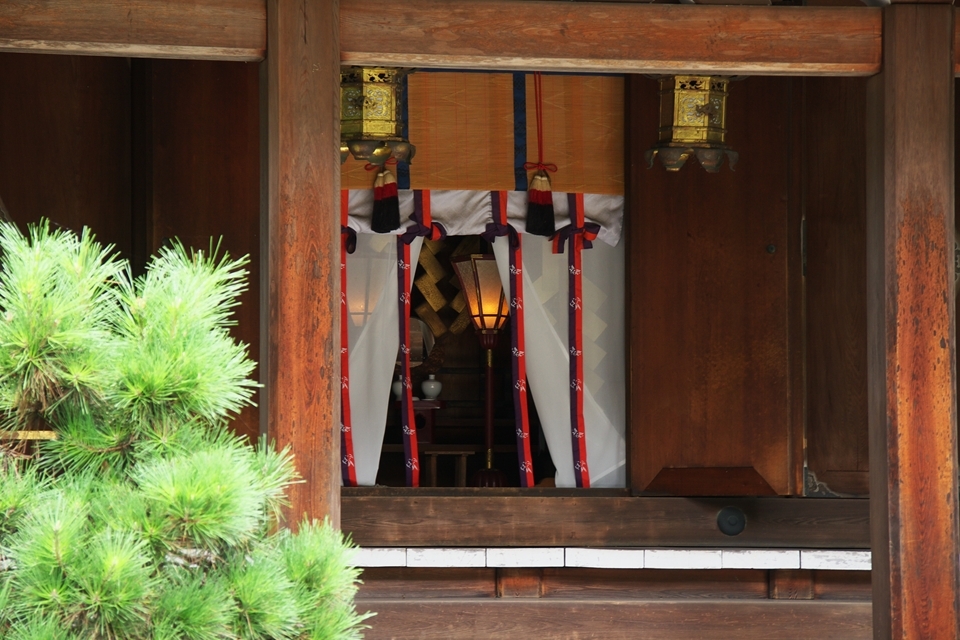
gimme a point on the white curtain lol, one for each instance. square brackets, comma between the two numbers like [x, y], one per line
[545, 314]
[374, 340]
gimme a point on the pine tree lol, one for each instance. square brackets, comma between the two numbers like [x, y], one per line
[145, 518]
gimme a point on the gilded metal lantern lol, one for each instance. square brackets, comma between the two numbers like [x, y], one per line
[693, 122]
[371, 122]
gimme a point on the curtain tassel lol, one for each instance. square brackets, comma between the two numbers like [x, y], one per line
[386, 203]
[540, 220]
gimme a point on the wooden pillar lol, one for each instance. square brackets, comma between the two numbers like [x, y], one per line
[300, 226]
[910, 308]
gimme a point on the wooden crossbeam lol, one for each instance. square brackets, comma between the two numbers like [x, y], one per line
[484, 34]
[612, 38]
[385, 517]
[195, 29]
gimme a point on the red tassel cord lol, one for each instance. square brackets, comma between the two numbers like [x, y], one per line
[540, 220]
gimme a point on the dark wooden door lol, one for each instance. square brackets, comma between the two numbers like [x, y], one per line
[835, 210]
[715, 372]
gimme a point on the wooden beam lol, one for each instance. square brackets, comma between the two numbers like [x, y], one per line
[198, 29]
[300, 249]
[911, 332]
[418, 583]
[385, 518]
[666, 619]
[564, 36]
[612, 38]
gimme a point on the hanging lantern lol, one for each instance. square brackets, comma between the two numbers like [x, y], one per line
[693, 122]
[480, 284]
[371, 118]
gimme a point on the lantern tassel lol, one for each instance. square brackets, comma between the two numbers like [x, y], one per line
[540, 220]
[386, 203]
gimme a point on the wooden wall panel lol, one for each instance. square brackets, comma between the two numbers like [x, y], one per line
[715, 297]
[582, 584]
[836, 278]
[461, 603]
[204, 177]
[65, 142]
[653, 584]
[407, 582]
[616, 619]
[842, 585]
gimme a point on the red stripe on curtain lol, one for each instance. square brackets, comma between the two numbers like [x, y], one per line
[348, 467]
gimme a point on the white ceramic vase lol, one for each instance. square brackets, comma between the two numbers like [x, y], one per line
[397, 387]
[431, 387]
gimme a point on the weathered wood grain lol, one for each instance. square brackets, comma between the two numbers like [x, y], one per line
[541, 521]
[653, 584]
[911, 331]
[616, 619]
[790, 584]
[519, 583]
[417, 583]
[198, 29]
[842, 585]
[618, 584]
[613, 38]
[300, 219]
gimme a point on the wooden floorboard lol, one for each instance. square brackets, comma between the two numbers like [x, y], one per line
[616, 619]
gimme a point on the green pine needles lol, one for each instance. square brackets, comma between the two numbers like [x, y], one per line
[146, 518]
